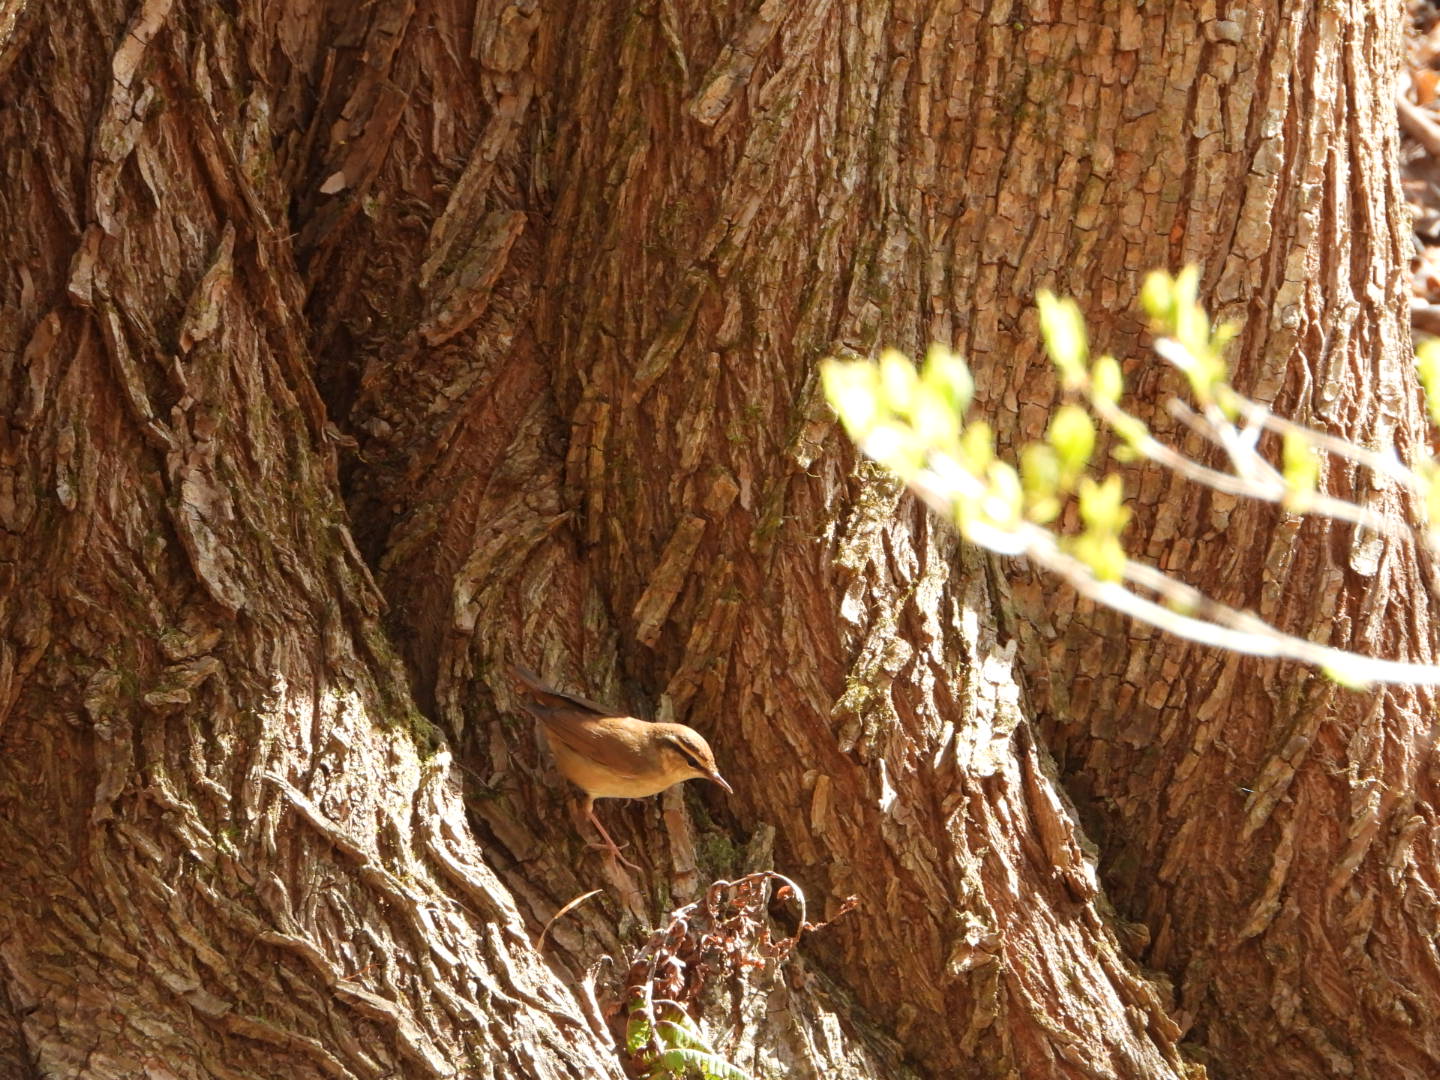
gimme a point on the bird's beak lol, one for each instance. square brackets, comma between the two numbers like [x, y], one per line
[721, 781]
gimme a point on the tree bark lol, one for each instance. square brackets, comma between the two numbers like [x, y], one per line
[1274, 831]
[231, 846]
[528, 302]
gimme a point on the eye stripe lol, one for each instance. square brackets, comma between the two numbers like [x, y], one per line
[684, 751]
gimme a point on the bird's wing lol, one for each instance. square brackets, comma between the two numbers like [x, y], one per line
[548, 695]
[602, 739]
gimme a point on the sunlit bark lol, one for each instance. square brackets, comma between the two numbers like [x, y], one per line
[528, 301]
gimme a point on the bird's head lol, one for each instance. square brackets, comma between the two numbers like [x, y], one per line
[685, 754]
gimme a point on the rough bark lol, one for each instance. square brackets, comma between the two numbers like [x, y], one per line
[624, 466]
[1275, 832]
[564, 274]
[230, 845]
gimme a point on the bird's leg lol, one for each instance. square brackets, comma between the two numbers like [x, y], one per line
[609, 845]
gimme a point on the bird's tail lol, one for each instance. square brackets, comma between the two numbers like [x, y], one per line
[548, 695]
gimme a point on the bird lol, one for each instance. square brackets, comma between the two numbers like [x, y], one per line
[608, 754]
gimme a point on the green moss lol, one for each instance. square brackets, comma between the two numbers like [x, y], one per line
[719, 854]
[664, 899]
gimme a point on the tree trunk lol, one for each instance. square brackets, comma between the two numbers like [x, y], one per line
[1275, 832]
[231, 845]
[563, 276]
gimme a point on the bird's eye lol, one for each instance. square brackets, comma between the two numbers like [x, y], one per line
[690, 759]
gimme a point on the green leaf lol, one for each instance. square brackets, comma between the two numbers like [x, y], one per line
[895, 447]
[1301, 466]
[637, 1033]
[1102, 505]
[937, 424]
[1131, 429]
[1205, 371]
[898, 380]
[1427, 366]
[1063, 328]
[1192, 329]
[1222, 335]
[1187, 287]
[1175, 311]
[1228, 400]
[1157, 297]
[1103, 554]
[1072, 434]
[947, 374]
[1004, 504]
[709, 1065]
[977, 448]
[852, 388]
[1106, 381]
[683, 1035]
[1039, 470]
[1124, 454]
[1337, 673]
[1216, 374]
[1043, 511]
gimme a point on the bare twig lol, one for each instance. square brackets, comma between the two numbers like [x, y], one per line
[569, 907]
[1416, 123]
[1222, 625]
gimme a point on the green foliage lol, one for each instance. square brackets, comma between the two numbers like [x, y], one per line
[1301, 468]
[1346, 676]
[1106, 381]
[1103, 511]
[977, 446]
[913, 422]
[674, 1048]
[1063, 329]
[1040, 479]
[1427, 366]
[638, 1032]
[694, 1062]
[949, 377]
[1072, 435]
[727, 933]
[1189, 342]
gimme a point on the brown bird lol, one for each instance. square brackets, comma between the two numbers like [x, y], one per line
[610, 755]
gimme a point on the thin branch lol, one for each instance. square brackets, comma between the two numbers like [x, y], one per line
[1274, 491]
[1384, 464]
[1416, 123]
[1230, 629]
[1255, 413]
[1154, 450]
[1213, 429]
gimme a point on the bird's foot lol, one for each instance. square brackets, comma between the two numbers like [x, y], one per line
[609, 845]
[614, 853]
